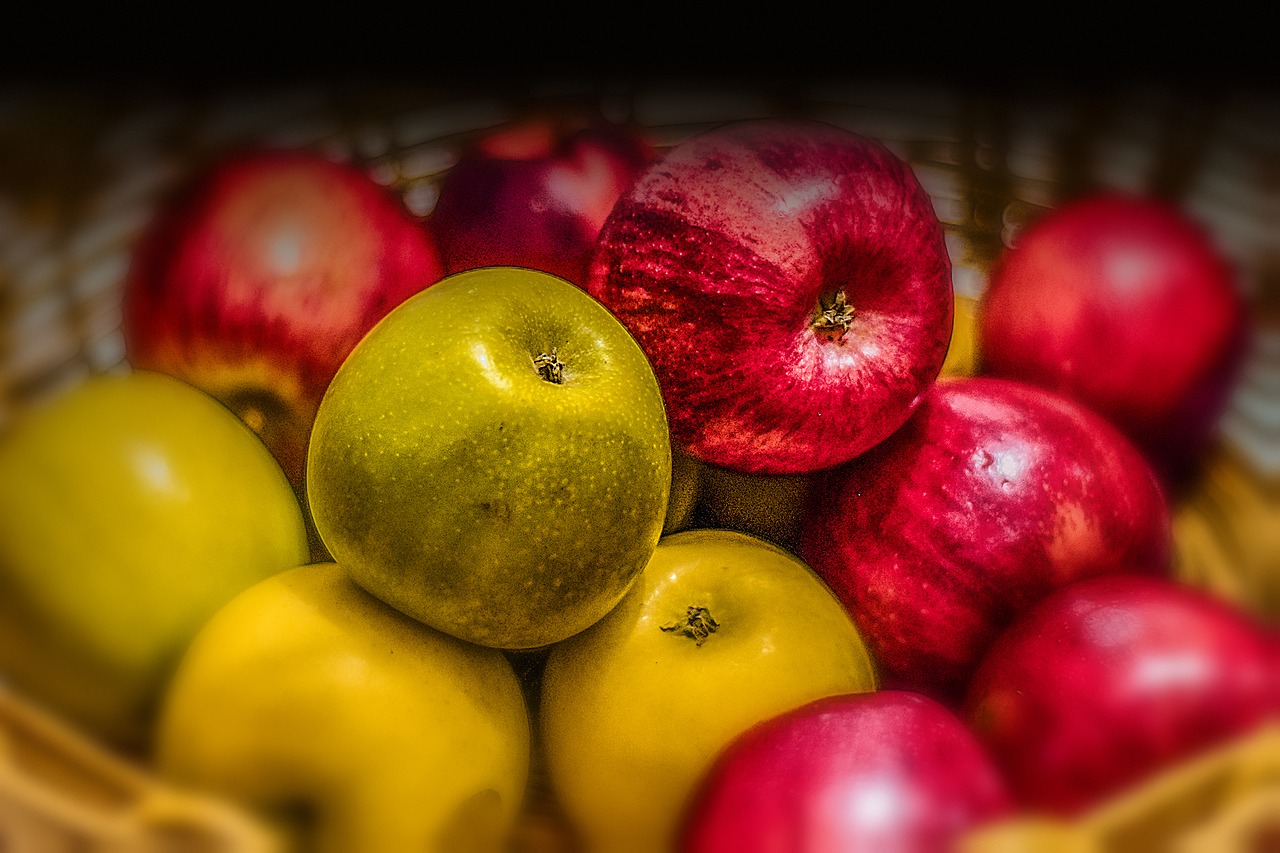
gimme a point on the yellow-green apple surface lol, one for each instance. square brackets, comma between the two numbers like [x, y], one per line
[345, 724]
[723, 631]
[687, 476]
[493, 459]
[131, 508]
[770, 506]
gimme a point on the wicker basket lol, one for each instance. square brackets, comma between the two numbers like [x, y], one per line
[82, 172]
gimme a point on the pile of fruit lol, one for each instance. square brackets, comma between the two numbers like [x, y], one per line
[675, 478]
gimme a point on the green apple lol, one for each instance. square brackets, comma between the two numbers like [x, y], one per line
[493, 459]
[131, 508]
[345, 724]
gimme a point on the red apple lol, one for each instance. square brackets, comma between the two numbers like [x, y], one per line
[258, 279]
[536, 192]
[1124, 303]
[1112, 679]
[790, 284]
[891, 770]
[993, 494]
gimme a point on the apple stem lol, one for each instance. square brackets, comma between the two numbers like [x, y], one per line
[834, 317]
[698, 624]
[550, 368]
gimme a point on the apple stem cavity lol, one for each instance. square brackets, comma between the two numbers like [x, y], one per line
[698, 624]
[549, 367]
[834, 317]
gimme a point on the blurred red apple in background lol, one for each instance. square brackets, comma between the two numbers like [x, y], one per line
[535, 193]
[790, 284]
[1110, 680]
[993, 494]
[257, 280]
[1124, 303]
[888, 771]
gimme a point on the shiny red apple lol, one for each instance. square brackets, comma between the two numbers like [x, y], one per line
[1110, 680]
[993, 494]
[884, 771]
[789, 283]
[535, 193]
[255, 282]
[1126, 304]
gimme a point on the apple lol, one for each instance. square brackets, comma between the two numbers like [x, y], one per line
[132, 506]
[889, 770]
[993, 494]
[790, 285]
[770, 506]
[687, 476]
[1124, 303]
[1112, 679]
[535, 192]
[256, 280]
[493, 459]
[722, 631]
[345, 724]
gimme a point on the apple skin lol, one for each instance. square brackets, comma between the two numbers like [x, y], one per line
[458, 485]
[1112, 679]
[535, 193]
[770, 506]
[993, 494]
[305, 697]
[132, 506]
[889, 770]
[1125, 304]
[633, 710]
[719, 259]
[256, 279]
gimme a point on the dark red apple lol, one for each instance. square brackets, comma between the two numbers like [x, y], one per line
[1126, 304]
[993, 494]
[536, 192]
[255, 282]
[1110, 680]
[789, 283]
[884, 771]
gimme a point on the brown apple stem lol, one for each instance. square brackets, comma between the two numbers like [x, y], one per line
[549, 367]
[834, 317]
[698, 624]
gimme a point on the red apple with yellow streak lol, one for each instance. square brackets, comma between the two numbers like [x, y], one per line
[789, 282]
[257, 279]
[992, 495]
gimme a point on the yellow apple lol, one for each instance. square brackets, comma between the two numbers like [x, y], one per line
[346, 724]
[722, 631]
[131, 508]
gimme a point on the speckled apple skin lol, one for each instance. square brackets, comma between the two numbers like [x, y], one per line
[257, 279]
[889, 770]
[992, 495]
[1126, 304]
[1110, 680]
[716, 260]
